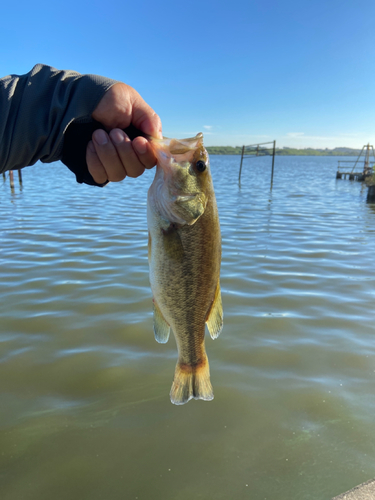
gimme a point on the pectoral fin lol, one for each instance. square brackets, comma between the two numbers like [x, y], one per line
[215, 316]
[161, 327]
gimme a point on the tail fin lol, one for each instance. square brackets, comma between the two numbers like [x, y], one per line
[191, 382]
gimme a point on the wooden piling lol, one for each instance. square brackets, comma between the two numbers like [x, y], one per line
[371, 194]
[11, 179]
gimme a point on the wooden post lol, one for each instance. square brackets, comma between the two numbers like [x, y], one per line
[239, 176]
[11, 179]
[20, 176]
[371, 194]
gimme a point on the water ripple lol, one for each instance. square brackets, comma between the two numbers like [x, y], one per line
[293, 370]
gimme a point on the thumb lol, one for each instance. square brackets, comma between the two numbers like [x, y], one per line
[144, 117]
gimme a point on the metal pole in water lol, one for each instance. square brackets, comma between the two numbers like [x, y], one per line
[273, 159]
[367, 160]
[239, 176]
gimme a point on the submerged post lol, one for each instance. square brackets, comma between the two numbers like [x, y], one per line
[19, 176]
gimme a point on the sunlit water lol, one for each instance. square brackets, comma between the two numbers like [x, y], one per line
[84, 387]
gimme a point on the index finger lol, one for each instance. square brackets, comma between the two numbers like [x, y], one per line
[144, 152]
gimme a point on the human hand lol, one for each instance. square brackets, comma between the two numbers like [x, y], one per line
[113, 156]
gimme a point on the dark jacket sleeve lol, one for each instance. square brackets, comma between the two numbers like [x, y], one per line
[46, 115]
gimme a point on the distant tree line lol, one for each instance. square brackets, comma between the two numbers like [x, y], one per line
[229, 150]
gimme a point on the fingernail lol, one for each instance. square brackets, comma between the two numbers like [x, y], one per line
[117, 136]
[141, 147]
[100, 137]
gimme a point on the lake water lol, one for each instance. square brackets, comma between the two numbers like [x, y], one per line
[84, 387]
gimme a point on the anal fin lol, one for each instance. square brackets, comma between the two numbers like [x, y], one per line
[214, 319]
[161, 327]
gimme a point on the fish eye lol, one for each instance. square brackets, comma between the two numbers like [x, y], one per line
[200, 166]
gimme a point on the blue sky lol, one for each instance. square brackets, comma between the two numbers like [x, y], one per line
[301, 72]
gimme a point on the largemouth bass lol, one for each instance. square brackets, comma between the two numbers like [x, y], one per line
[184, 255]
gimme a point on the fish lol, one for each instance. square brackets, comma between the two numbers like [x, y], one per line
[184, 252]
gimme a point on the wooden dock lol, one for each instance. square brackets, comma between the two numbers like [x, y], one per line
[353, 176]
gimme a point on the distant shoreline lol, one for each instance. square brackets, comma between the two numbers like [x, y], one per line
[229, 150]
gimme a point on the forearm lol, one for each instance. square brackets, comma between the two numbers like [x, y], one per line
[37, 108]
